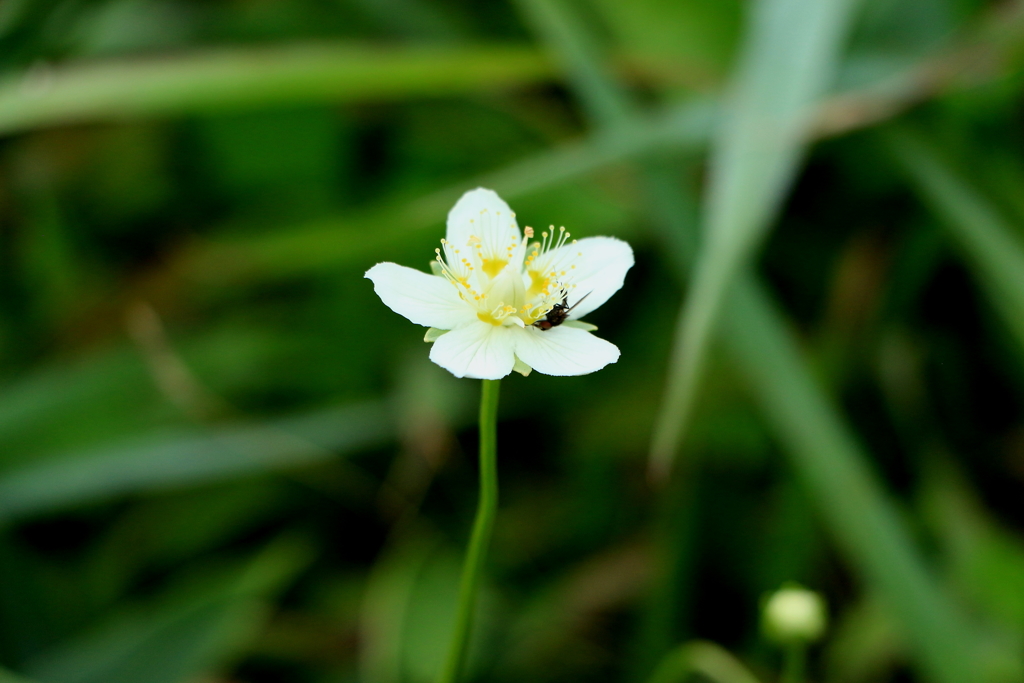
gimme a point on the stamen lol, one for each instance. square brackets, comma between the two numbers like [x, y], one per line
[455, 270]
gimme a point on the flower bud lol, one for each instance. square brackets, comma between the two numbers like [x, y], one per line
[794, 614]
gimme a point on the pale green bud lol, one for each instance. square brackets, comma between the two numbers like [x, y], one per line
[794, 614]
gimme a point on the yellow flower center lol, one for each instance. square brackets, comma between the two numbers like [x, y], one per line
[492, 266]
[497, 316]
[548, 280]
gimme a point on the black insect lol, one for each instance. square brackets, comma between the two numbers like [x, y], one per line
[558, 314]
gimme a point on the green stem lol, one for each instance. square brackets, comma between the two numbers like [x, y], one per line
[481, 538]
[794, 663]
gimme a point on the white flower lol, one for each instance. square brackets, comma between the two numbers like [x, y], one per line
[497, 302]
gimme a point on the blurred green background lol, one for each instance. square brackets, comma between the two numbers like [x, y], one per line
[223, 459]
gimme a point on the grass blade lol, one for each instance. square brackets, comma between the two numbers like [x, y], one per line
[610, 106]
[990, 244]
[819, 444]
[861, 519]
[361, 236]
[628, 136]
[704, 658]
[228, 79]
[579, 56]
[190, 459]
[185, 635]
[792, 50]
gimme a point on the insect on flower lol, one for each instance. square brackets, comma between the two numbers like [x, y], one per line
[558, 314]
[498, 299]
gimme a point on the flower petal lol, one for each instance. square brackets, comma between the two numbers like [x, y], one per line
[483, 214]
[564, 351]
[579, 324]
[424, 299]
[601, 265]
[479, 350]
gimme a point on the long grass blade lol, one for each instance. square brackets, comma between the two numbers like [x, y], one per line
[189, 459]
[679, 128]
[358, 236]
[9, 677]
[819, 444]
[610, 107]
[991, 246]
[861, 518]
[231, 79]
[186, 634]
[580, 57]
[704, 658]
[792, 50]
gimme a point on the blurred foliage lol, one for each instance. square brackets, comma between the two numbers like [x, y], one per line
[225, 460]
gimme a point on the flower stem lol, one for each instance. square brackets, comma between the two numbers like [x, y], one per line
[794, 663]
[481, 538]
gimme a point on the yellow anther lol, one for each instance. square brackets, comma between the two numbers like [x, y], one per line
[528, 231]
